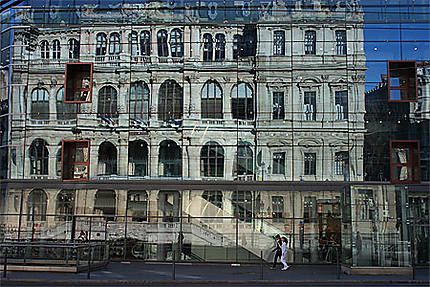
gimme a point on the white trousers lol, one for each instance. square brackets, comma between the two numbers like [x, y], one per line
[284, 260]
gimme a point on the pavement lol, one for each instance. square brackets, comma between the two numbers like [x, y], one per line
[161, 274]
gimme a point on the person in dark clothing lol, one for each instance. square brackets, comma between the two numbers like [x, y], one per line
[277, 250]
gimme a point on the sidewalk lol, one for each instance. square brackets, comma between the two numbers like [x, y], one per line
[139, 273]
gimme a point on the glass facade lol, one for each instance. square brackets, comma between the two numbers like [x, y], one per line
[204, 129]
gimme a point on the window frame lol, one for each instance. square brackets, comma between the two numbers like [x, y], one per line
[279, 162]
[208, 47]
[279, 203]
[43, 157]
[56, 50]
[133, 102]
[206, 160]
[44, 50]
[400, 88]
[248, 102]
[101, 44]
[176, 43]
[414, 162]
[341, 42]
[341, 99]
[341, 163]
[219, 47]
[309, 166]
[310, 42]
[145, 43]
[278, 105]
[74, 47]
[211, 87]
[162, 43]
[112, 108]
[75, 144]
[279, 43]
[310, 98]
[114, 43]
[89, 90]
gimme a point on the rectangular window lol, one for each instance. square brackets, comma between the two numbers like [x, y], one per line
[341, 163]
[278, 106]
[341, 105]
[341, 42]
[309, 209]
[309, 106]
[277, 208]
[402, 81]
[405, 161]
[310, 163]
[78, 82]
[279, 43]
[279, 163]
[75, 160]
[310, 42]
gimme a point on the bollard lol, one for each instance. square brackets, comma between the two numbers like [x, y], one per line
[5, 263]
[173, 267]
[337, 262]
[261, 265]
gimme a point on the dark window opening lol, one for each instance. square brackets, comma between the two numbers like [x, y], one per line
[207, 48]
[56, 50]
[278, 106]
[39, 157]
[37, 202]
[341, 163]
[279, 43]
[162, 46]
[278, 163]
[402, 81]
[242, 102]
[107, 102]
[237, 46]
[219, 47]
[249, 40]
[309, 209]
[341, 105]
[405, 161]
[309, 106]
[211, 100]
[170, 101]
[145, 43]
[245, 160]
[170, 159]
[310, 42]
[107, 163]
[139, 101]
[74, 49]
[40, 104]
[101, 44]
[78, 82]
[75, 160]
[65, 205]
[212, 160]
[114, 44]
[242, 205]
[65, 111]
[133, 44]
[138, 158]
[341, 42]
[44, 49]
[310, 160]
[176, 43]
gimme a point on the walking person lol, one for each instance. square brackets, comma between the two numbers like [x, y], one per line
[277, 250]
[284, 253]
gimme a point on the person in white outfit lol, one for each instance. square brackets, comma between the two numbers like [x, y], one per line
[284, 253]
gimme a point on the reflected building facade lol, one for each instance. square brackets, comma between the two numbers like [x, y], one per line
[169, 132]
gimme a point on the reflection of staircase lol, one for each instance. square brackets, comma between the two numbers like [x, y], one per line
[255, 236]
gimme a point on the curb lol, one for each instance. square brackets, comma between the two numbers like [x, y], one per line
[209, 282]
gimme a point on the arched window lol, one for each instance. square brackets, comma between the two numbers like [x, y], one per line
[242, 102]
[145, 43]
[137, 205]
[170, 159]
[56, 49]
[219, 47]
[242, 205]
[105, 203]
[39, 156]
[107, 163]
[176, 44]
[107, 102]
[65, 205]
[44, 49]
[36, 205]
[114, 44]
[279, 43]
[170, 101]
[40, 104]
[237, 46]
[138, 158]
[211, 100]
[134, 43]
[139, 101]
[163, 50]
[214, 197]
[212, 160]
[65, 111]
[207, 47]
[74, 47]
[101, 44]
[245, 160]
